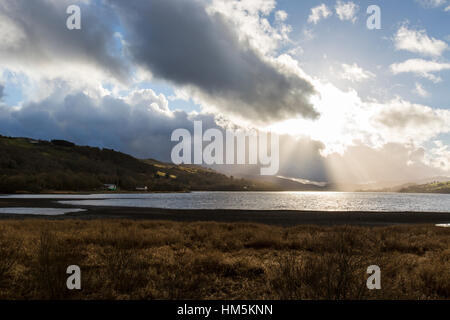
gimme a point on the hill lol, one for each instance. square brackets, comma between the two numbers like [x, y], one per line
[438, 186]
[38, 166]
[434, 187]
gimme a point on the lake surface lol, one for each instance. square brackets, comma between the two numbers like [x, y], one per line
[309, 201]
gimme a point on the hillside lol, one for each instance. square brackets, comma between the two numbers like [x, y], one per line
[435, 187]
[28, 165]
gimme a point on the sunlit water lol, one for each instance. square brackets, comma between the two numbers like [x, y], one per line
[310, 201]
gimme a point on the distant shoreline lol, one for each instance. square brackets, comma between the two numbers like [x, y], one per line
[190, 191]
[269, 217]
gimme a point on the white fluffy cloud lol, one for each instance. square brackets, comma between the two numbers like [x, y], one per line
[318, 13]
[250, 18]
[346, 120]
[417, 41]
[346, 11]
[403, 120]
[439, 156]
[420, 90]
[420, 67]
[355, 73]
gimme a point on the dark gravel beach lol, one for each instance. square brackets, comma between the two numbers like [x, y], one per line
[270, 217]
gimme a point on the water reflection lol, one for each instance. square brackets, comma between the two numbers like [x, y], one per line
[308, 201]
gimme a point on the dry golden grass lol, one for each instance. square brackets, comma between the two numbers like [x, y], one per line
[124, 259]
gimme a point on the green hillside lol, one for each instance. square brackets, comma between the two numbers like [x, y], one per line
[435, 187]
[37, 166]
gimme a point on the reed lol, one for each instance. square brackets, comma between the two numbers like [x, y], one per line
[122, 259]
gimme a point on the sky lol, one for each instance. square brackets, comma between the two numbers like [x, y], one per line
[351, 104]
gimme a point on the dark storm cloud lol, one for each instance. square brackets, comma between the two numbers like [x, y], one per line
[42, 36]
[178, 41]
[110, 123]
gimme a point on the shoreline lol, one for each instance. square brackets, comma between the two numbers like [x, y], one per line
[102, 192]
[284, 218]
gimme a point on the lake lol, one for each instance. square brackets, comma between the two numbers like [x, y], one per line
[309, 201]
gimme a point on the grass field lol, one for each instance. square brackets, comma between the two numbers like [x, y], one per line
[124, 259]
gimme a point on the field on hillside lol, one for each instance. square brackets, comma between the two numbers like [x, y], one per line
[124, 259]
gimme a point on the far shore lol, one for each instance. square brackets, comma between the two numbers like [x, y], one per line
[270, 217]
[52, 192]
[88, 192]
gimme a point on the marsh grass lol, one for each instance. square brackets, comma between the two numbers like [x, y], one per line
[9, 255]
[124, 259]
